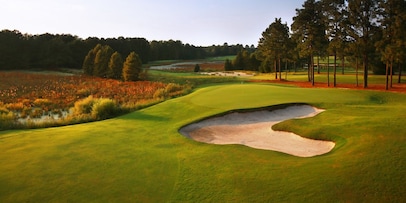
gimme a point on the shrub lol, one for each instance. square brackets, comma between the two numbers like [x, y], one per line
[160, 93]
[104, 108]
[197, 68]
[172, 87]
[7, 119]
[18, 106]
[41, 102]
[84, 106]
[36, 113]
[84, 92]
[132, 106]
[3, 110]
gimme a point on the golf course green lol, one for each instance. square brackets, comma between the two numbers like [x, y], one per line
[141, 156]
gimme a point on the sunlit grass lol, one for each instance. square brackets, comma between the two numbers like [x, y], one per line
[347, 78]
[141, 157]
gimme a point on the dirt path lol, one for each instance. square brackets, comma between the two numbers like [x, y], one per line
[254, 129]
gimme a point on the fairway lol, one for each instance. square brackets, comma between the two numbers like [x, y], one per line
[141, 156]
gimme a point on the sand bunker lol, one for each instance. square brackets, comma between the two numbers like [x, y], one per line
[254, 129]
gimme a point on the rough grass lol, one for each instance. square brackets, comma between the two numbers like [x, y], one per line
[141, 157]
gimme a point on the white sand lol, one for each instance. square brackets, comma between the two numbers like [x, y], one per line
[254, 129]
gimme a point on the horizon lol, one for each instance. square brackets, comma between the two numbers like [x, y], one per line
[189, 21]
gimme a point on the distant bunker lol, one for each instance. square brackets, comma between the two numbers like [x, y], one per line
[253, 128]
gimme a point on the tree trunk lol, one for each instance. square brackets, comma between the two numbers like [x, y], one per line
[279, 67]
[328, 71]
[312, 61]
[391, 73]
[387, 76]
[318, 65]
[400, 73]
[286, 69]
[276, 71]
[356, 69]
[365, 64]
[342, 65]
[309, 70]
[335, 69]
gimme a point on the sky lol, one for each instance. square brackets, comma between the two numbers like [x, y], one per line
[197, 22]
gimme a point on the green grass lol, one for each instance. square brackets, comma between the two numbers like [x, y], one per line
[141, 157]
[193, 79]
[349, 78]
[160, 62]
[209, 59]
[330, 59]
[220, 58]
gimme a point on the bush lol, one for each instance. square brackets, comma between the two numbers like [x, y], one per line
[160, 93]
[84, 106]
[7, 119]
[18, 106]
[197, 68]
[3, 110]
[104, 108]
[172, 87]
[36, 113]
[41, 102]
[84, 92]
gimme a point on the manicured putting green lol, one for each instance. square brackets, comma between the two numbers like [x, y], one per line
[141, 157]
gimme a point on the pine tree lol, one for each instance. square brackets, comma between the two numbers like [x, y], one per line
[228, 66]
[335, 18]
[399, 34]
[238, 62]
[253, 62]
[101, 62]
[88, 63]
[116, 66]
[132, 67]
[391, 50]
[362, 23]
[309, 32]
[197, 68]
[266, 66]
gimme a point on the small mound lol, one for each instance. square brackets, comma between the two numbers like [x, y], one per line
[254, 129]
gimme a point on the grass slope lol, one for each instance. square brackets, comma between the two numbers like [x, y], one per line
[141, 157]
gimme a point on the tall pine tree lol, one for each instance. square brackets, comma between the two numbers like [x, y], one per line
[88, 63]
[116, 66]
[363, 15]
[335, 18]
[132, 67]
[309, 32]
[101, 62]
[274, 44]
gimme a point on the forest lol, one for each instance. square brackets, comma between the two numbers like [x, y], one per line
[367, 34]
[49, 51]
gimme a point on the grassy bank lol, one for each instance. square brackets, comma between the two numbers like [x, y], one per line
[141, 157]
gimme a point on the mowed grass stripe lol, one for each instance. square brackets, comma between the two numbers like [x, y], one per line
[141, 156]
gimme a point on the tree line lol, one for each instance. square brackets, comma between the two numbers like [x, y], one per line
[368, 33]
[103, 61]
[25, 51]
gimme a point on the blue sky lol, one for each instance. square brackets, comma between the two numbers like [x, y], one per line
[197, 22]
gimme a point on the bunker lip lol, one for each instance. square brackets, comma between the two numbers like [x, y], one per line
[253, 128]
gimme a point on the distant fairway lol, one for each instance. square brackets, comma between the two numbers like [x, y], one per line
[141, 157]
